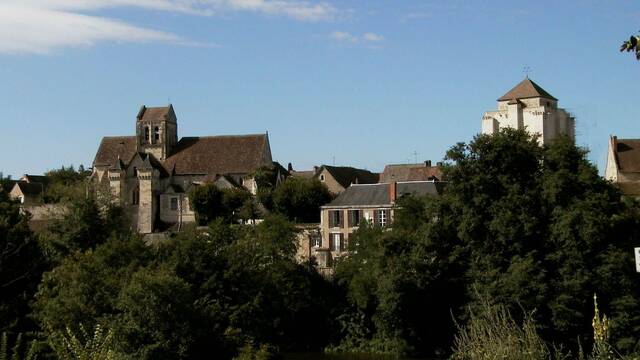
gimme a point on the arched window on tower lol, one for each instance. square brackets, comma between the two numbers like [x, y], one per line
[146, 134]
[156, 133]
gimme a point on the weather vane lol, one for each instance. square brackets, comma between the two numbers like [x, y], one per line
[526, 70]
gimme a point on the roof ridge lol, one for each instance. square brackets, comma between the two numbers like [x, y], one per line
[220, 136]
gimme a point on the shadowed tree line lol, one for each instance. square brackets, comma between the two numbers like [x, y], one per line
[532, 230]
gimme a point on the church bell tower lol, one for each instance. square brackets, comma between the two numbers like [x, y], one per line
[157, 131]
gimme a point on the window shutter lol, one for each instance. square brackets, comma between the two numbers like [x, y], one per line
[360, 216]
[330, 241]
[389, 218]
[343, 246]
[331, 218]
[350, 218]
[376, 222]
[341, 217]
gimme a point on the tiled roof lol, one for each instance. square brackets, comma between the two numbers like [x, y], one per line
[526, 89]
[628, 155]
[241, 154]
[112, 147]
[378, 194]
[410, 172]
[346, 175]
[155, 113]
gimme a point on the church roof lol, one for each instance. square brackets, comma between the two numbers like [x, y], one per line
[239, 154]
[112, 147]
[627, 153]
[526, 89]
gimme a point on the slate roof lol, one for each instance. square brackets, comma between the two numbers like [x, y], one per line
[627, 155]
[378, 194]
[35, 179]
[526, 89]
[112, 147]
[212, 155]
[346, 175]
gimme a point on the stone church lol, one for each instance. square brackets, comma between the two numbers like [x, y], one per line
[529, 106]
[150, 174]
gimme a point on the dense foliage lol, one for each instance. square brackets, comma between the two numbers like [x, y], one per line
[525, 226]
[518, 227]
[299, 199]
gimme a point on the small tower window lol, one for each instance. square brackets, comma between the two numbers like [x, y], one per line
[146, 134]
[156, 133]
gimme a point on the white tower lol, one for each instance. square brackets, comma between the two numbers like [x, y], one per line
[528, 106]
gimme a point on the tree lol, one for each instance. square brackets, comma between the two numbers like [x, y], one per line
[206, 201]
[21, 266]
[632, 45]
[299, 199]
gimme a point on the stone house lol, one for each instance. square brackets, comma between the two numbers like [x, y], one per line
[29, 189]
[338, 178]
[151, 173]
[623, 165]
[374, 203]
[529, 106]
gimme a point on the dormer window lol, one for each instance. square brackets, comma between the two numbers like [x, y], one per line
[156, 133]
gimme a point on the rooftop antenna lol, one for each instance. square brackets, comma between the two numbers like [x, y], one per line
[415, 155]
[526, 70]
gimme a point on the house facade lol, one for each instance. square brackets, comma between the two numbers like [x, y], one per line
[150, 174]
[623, 165]
[373, 203]
[528, 106]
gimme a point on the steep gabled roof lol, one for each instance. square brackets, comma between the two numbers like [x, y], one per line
[346, 175]
[156, 113]
[112, 147]
[627, 154]
[378, 194]
[526, 89]
[241, 154]
[410, 172]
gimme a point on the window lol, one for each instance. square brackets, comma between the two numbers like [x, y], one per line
[335, 218]
[174, 203]
[382, 218]
[336, 242]
[135, 171]
[135, 198]
[322, 177]
[316, 241]
[156, 133]
[146, 134]
[354, 217]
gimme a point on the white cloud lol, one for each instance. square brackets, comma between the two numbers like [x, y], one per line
[344, 36]
[372, 37]
[368, 37]
[41, 26]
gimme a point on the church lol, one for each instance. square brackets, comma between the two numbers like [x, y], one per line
[528, 106]
[150, 174]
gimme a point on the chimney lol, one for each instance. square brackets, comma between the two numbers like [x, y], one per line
[393, 192]
[427, 163]
[290, 167]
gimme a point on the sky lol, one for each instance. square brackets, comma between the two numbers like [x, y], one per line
[353, 83]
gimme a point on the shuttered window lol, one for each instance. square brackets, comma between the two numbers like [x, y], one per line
[335, 218]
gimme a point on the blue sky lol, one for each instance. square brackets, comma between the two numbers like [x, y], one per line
[366, 83]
